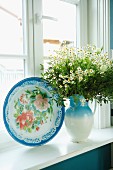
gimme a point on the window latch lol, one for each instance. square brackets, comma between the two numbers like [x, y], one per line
[39, 18]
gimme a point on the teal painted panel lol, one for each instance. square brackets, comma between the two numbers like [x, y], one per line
[97, 159]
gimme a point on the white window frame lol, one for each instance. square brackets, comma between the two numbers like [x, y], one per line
[35, 37]
[34, 56]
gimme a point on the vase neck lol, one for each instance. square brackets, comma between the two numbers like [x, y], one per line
[77, 100]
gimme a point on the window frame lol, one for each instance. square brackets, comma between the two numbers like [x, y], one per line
[34, 57]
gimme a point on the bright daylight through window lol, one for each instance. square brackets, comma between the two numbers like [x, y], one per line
[59, 25]
[11, 47]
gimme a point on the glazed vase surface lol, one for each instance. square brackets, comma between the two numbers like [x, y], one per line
[79, 119]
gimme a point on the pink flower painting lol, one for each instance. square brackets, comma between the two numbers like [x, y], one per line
[41, 103]
[25, 119]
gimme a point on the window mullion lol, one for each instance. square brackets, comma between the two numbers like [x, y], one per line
[38, 36]
[24, 23]
[30, 38]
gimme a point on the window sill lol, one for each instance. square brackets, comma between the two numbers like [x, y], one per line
[19, 157]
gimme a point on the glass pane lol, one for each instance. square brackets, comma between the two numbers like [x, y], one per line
[11, 34]
[11, 42]
[11, 71]
[50, 7]
[61, 27]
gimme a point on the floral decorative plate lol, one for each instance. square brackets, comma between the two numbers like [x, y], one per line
[30, 114]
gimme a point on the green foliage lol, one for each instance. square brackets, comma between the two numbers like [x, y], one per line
[86, 71]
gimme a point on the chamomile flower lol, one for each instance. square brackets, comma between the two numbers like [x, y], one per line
[60, 86]
[65, 81]
[86, 72]
[71, 71]
[60, 75]
[80, 78]
[66, 85]
[52, 71]
[91, 71]
[70, 64]
[71, 78]
[68, 80]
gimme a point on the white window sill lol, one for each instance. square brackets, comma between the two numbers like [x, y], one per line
[16, 156]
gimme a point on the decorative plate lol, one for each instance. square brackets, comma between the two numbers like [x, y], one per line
[30, 114]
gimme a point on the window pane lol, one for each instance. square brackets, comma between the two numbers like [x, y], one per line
[11, 43]
[11, 71]
[60, 25]
[11, 35]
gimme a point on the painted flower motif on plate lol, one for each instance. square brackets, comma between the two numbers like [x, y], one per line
[33, 108]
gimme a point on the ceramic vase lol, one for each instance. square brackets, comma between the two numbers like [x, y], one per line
[79, 118]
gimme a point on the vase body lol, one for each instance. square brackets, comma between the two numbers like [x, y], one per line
[78, 119]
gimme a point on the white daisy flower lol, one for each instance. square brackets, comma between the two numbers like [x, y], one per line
[91, 71]
[60, 86]
[70, 64]
[80, 78]
[66, 86]
[79, 68]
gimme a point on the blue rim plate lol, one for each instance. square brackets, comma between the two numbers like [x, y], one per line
[30, 114]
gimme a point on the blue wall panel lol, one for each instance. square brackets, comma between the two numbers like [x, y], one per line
[97, 159]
